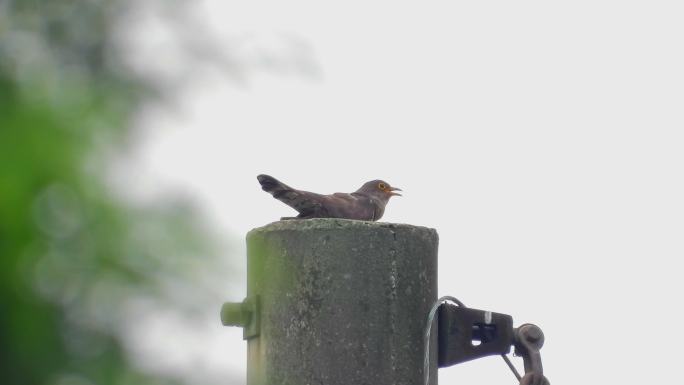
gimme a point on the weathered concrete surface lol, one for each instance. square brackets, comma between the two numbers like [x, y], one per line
[342, 302]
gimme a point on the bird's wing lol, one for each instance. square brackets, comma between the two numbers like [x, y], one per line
[305, 202]
[337, 205]
[351, 206]
[343, 197]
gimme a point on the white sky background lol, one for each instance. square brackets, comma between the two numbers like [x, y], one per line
[543, 140]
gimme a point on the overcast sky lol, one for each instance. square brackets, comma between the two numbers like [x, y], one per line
[543, 140]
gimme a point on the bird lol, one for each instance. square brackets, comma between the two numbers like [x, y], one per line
[365, 204]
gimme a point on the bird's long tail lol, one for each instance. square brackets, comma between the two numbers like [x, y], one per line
[273, 186]
[306, 203]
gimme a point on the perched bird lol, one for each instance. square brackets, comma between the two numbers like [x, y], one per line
[366, 204]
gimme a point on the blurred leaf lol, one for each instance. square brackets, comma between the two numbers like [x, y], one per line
[71, 253]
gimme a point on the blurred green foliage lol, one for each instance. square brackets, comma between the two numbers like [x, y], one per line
[71, 252]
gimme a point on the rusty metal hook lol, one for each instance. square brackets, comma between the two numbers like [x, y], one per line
[528, 339]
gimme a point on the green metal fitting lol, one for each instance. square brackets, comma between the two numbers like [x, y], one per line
[245, 314]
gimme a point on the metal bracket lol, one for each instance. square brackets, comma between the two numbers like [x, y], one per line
[246, 314]
[466, 334]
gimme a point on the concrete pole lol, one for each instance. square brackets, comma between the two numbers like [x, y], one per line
[337, 302]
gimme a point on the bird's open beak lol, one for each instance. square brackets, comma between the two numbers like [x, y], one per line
[393, 193]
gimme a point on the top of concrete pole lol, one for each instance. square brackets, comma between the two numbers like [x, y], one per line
[335, 223]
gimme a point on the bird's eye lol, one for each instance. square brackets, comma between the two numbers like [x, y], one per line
[382, 186]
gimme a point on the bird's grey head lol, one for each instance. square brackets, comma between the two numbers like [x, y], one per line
[379, 189]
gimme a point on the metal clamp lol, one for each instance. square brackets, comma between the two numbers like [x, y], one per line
[466, 334]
